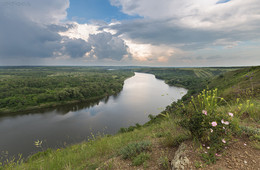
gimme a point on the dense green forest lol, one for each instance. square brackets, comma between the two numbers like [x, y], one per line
[23, 88]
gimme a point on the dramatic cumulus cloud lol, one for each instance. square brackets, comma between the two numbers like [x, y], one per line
[76, 48]
[32, 32]
[193, 28]
[195, 13]
[190, 21]
[108, 46]
[104, 44]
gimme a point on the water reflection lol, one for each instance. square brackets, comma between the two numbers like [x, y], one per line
[142, 95]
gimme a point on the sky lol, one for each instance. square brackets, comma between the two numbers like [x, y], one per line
[172, 33]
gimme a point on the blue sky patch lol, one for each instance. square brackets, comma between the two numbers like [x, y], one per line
[84, 11]
[223, 1]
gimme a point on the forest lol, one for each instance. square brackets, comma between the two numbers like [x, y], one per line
[25, 88]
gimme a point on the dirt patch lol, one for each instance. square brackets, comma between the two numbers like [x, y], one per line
[239, 155]
[157, 151]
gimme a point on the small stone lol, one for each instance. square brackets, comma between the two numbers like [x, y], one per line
[230, 167]
[245, 161]
[254, 161]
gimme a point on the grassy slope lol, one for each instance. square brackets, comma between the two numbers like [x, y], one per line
[240, 83]
[92, 154]
[241, 89]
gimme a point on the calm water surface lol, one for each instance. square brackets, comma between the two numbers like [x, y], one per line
[142, 95]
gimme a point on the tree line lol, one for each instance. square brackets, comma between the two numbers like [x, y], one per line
[25, 87]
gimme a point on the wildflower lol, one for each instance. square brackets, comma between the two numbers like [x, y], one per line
[245, 144]
[217, 154]
[203, 144]
[231, 114]
[206, 152]
[204, 112]
[223, 140]
[224, 122]
[208, 147]
[214, 124]
[211, 130]
[224, 128]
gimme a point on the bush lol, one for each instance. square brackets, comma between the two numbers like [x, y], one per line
[134, 149]
[141, 158]
[173, 141]
[164, 162]
[211, 128]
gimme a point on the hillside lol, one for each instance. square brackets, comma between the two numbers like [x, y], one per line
[216, 129]
[240, 83]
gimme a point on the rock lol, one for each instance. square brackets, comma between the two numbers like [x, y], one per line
[180, 160]
[245, 161]
[254, 161]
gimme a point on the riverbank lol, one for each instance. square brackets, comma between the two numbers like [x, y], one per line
[155, 144]
[53, 105]
[33, 88]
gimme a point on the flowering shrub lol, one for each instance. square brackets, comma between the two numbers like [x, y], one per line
[211, 128]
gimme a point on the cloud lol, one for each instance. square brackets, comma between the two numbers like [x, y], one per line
[37, 30]
[150, 53]
[26, 38]
[173, 32]
[38, 11]
[189, 23]
[194, 13]
[28, 30]
[226, 43]
[81, 31]
[76, 48]
[107, 46]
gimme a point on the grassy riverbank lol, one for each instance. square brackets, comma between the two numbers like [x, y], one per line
[232, 113]
[27, 88]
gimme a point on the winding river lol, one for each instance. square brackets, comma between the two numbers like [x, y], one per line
[142, 95]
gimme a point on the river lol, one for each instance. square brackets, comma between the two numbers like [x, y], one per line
[141, 95]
